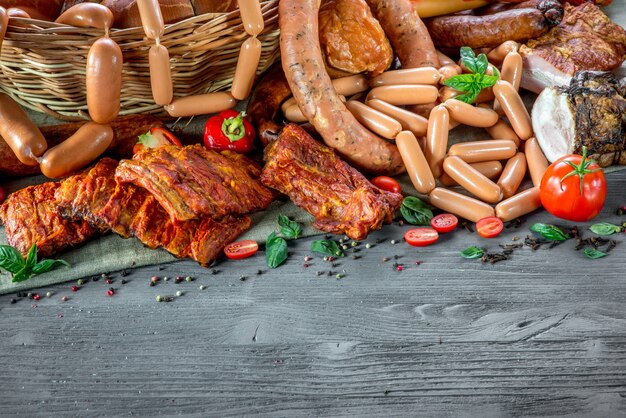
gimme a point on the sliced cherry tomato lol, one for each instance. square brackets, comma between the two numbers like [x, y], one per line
[155, 137]
[387, 183]
[489, 227]
[573, 188]
[241, 249]
[421, 237]
[444, 222]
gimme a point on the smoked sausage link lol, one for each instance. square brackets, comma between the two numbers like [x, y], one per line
[519, 205]
[404, 94]
[415, 162]
[489, 169]
[489, 150]
[459, 204]
[502, 130]
[535, 160]
[249, 56]
[104, 80]
[151, 18]
[77, 151]
[514, 108]
[424, 75]
[472, 180]
[87, 15]
[374, 120]
[437, 139]
[313, 90]
[410, 121]
[200, 104]
[513, 174]
[251, 16]
[471, 115]
[160, 75]
[19, 132]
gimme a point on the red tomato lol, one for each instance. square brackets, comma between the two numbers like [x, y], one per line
[444, 222]
[241, 249]
[387, 183]
[489, 227]
[573, 188]
[421, 237]
[155, 138]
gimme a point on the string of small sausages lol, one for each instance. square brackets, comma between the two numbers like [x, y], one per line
[159, 60]
[103, 82]
[473, 165]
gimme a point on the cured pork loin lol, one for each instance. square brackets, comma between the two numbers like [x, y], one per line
[340, 198]
[590, 112]
[30, 217]
[96, 196]
[586, 39]
[192, 182]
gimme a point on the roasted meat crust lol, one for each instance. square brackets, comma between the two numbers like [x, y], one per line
[131, 211]
[351, 39]
[30, 217]
[340, 198]
[586, 39]
[192, 182]
[600, 116]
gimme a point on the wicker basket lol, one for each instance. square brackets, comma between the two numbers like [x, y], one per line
[43, 64]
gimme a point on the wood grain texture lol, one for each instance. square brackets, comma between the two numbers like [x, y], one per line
[543, 333]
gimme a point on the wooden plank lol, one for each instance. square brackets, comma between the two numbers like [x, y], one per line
[543, 333]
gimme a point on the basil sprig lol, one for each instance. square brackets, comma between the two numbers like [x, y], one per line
[472, 84]
[22, 269]
[276, 251]
[593, 253]
[327, 247]
[288, 228]
[550, 232]
[415, 212]
[472, 252]
[605, 228]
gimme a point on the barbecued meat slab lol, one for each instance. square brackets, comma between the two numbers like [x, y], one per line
[590, 112]
[129, 210]
[586, 39]
[30, 217]
[192, 182]
[315, 179]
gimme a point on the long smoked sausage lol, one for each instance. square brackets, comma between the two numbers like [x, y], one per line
[311, 86]
[77, 151]
[104, 80]
[19, 132]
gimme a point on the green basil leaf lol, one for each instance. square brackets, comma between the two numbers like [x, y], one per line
[276, 251]
[472, 252]
[11, 259]
[415, 212]
[462, 82]
[46, 265]
[290, 229]
[326, 247]
[468, 97]
[24, 274]
[468, 59]
[31, 257]
[550, 232]
[605, 228]
[481, 64]
[593, 253]
[488, 81]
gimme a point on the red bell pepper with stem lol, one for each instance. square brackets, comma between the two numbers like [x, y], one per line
[229, 130]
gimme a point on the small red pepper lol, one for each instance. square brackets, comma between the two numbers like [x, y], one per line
[155, 137]
[229, 130]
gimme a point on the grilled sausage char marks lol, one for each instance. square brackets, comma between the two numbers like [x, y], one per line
[489, 31]
[312, 88]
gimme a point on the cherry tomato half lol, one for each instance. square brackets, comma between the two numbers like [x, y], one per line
[444, 222]
[241, 249]
[489, 227]
[387, 183]
[421, 237]
[573, 188]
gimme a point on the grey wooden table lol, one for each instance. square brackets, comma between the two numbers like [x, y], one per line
[543, 333]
